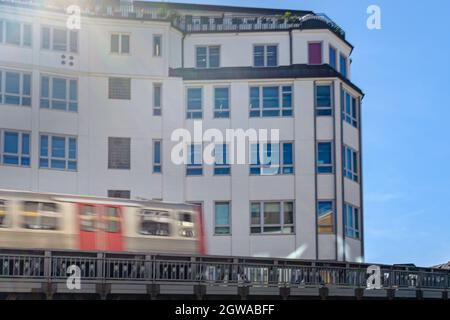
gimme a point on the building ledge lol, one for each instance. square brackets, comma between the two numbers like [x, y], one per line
[281, 72]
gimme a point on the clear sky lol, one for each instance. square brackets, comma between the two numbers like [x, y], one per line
[404, 70]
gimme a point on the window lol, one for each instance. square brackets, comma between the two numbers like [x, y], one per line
[324, 101]
[59, 39]
[265, 55]
[157, 45]
[15, 148]
[112, 218]
[349, 108]
[59, 93]
[119, 153]
[333, 57]
[119, 88]
[120, 194]
[350, 163]
[276, 158]
[15, 33]
[15, 88]
[207, 56]
[315, 53]
[324, 157]
[120, 43]
[272, 217]
[271, 101]
[88, 218]
[325, 216]
[157, 164]
[3, 213]
[155, 223]
[343, 65]
[157, 93]
[194, 103]
[351, 221]
[194, 165]
[40, 215]
[221, 102]
[186, 221]
[58, 152]
[222, 223]
[222, 160]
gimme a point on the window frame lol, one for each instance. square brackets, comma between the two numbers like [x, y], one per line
[225, 111]
[50, 100]
[323, 111]
[350, 118]
[5, 222]
[20, 155]
[265, 55]
[333, 209]
[156, 54]
[333, 65]
[351, 173]
[21, 95]
[190, 113]
[40, 213]
[194, 169]
[282, 111]
[120, 51]
[215, 225]
[49, 156]
[282, 223]
[332, 157]
[157, 109]
[69, 33]
[157, 164]
[223, 166]
[282, 166]
[22, 25]
[354, 230]
[344, 58]
[208, 56]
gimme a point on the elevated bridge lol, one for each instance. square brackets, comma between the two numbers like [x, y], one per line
[46, 274]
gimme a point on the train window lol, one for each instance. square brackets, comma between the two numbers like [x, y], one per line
[88, 218]
[3, 217]
[185, 217]
[112, 219]
[155, 223]
[40, 215]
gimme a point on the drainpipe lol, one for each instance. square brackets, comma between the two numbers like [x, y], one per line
[290, 47]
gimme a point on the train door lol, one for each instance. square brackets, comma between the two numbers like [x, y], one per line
[100, 227]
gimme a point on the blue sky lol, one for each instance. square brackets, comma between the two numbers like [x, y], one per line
[404, 70]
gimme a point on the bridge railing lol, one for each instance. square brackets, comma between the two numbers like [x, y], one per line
[101, 267]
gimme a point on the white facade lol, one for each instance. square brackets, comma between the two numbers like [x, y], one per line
[97, 118]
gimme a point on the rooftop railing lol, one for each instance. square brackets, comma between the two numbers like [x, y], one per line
[191, 23]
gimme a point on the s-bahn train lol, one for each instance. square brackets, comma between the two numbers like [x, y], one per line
[57, 221]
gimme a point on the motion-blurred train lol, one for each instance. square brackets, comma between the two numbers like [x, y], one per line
[56, 221]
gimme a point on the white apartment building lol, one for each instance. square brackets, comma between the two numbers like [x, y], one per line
[91, 111]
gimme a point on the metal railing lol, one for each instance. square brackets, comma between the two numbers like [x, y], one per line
[103, 267]
[193, 24]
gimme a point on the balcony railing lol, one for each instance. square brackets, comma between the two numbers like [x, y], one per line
[188, 23]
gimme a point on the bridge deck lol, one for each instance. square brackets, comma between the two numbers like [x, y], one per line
[108, 274]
